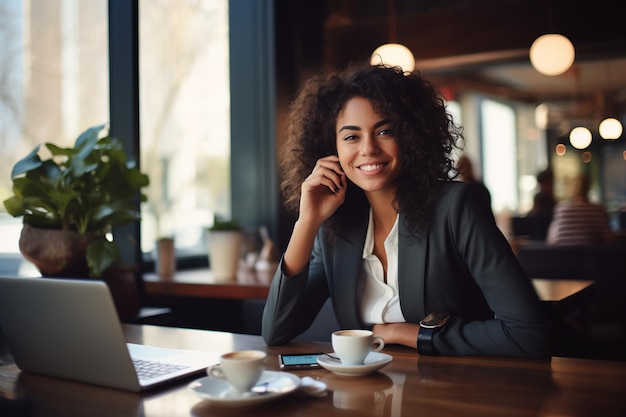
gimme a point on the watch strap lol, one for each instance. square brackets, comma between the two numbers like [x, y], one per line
[425, 341]
[429, 326]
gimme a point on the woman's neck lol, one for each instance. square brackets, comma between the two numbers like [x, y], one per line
[383, 211]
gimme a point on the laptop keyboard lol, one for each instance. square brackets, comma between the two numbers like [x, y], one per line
[152, 369]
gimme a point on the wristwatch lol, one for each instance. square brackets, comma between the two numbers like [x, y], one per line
[430, 325]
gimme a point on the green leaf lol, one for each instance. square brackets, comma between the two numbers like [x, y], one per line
[18, 186]
[28, 163]
[136, 179]
[101, 254]
[40, 205]
[79, 167]
[219, 224]
[89, 136]
[87, 147]
[58, 151]
[49, 172]
[14, 206]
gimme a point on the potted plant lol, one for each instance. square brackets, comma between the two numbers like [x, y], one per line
[224, 248]
[72, 200]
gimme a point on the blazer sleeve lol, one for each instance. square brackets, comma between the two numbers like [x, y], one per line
[520, 324]
[294, 302]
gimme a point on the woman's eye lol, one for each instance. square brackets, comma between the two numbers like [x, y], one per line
[383, 132]
[350, 137]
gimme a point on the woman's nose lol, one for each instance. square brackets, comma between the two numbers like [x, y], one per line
[369, 145]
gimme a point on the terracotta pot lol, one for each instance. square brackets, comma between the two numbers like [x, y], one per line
[55, 252]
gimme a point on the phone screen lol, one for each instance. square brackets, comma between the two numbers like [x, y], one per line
[298, 361]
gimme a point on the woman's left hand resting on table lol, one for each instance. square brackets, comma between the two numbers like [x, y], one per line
[398, 333]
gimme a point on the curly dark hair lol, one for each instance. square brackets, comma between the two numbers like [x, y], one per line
[425, 132]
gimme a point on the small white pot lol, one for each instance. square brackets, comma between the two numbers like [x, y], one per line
[224, 250]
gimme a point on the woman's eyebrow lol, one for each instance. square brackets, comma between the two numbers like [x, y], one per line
[377, 125]
[381, 123]
[348, 127]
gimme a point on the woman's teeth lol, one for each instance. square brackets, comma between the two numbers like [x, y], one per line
[371, 167]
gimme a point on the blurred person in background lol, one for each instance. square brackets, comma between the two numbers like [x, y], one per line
[544, 201]
[579, 221]
[465, 168]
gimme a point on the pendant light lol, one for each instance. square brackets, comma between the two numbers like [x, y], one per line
[552, 54]
[392, 53]
[580, 137]
[610, 128]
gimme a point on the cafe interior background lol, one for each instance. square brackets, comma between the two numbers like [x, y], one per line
[205, 85]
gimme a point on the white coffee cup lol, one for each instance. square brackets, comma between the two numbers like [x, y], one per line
[242, 369]
[353, 346]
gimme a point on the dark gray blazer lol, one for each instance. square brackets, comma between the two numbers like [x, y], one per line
[462, 264]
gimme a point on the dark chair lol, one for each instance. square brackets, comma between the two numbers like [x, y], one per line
[599, 331]
[542, 261]
[531, 227]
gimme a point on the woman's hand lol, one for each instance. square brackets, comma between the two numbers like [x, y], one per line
[323, 191]
[398, 333]
[321, 194]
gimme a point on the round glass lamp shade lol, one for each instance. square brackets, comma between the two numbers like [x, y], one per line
[552, 54]
[393, 54]
[580, 137]
[610, 128]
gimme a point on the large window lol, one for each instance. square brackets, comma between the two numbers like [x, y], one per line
[499, 148]
[63, 71]
[185, 119]
[53, 85]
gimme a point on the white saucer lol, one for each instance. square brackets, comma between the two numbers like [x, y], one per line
[373, 362]
[219, 391]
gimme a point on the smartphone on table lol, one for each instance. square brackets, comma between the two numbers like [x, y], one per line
[290, 361]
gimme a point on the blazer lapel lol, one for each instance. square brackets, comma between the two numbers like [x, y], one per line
[346, 266]
[412, 251]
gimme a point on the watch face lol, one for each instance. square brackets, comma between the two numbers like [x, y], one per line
[435, 319]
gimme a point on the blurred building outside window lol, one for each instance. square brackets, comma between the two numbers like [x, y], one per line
[53, 85]
[185, 119]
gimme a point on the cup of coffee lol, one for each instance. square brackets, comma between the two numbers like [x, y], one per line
[353, 346]
[242, 369]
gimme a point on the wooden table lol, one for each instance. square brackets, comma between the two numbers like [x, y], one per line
[411, 385]
[200, 283]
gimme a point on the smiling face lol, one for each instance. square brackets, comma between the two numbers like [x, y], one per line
[367, 148]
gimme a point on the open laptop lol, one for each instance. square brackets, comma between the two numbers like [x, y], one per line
[69, 328]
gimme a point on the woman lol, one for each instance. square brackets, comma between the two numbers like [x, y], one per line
[384, 231]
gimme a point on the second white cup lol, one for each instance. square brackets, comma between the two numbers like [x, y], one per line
[353, 346]
[242, 369]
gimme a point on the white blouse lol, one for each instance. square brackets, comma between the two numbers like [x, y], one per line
[380, 302]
